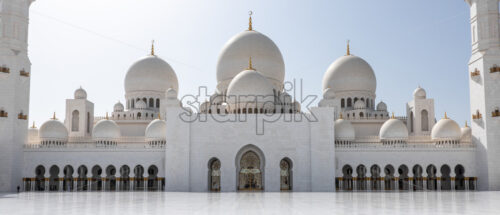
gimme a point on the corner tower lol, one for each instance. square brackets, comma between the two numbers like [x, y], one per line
[484, 73]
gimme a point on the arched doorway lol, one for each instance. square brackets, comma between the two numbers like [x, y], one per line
[445, 177]
[375, 176]
[347, 178]
[152, 178]
[404, 180]
[40, 178]
[418, 180]
[214, 174]
[250, 172]
[124, 178]
[96, 183]
[389, 177]
[81, 183]
[285, 174]
[361, 174]
[431, 177]
[54, 178]
[110, 178]
[139, 177]
[459, 177]
[68, 178]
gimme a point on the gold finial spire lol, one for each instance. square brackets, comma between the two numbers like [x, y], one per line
[466, 124]
[33, 126]
[393, 117]
[153, 47]
[250, 27]
[54, 116]
[250, 67]
[445, 115]
[107, 117]
[348, 49]
[159, 117]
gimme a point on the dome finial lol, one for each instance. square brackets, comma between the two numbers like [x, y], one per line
[250, 67]
[107, 117]
[33, 126]
[159, 117]
[153, 47]
[250, 27]
[54, 116]
[466, 124]
[348, 49]
[393, 117]
[445, 115]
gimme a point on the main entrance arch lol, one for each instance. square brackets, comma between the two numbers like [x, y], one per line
[250, 165]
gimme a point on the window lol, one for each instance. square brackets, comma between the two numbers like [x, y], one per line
[75, 120]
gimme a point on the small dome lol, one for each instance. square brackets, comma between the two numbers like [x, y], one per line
[53, 130]
[140, 105]
[360, 104]
[466, 132]
[393, 129]
[381, 106]
[328, 93]
[150, 73]
[216, 98]
[118, 107]
[235, 53]
[350, 73]
[106, 129]
[419, 93]
[33, 132]
[286, 98]
[80, 93]
[446, 129]
[171, 93]
[250, 86]
[344, 130]
[157, 129]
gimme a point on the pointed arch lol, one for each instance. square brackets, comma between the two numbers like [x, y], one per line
[424, 120]
[250, 177]
[75, 120]
[286, 174]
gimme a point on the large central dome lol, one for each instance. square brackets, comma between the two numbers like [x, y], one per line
[265, 54]
[350, 73]
[150, 73]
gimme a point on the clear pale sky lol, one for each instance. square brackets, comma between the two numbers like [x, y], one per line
[92, 43]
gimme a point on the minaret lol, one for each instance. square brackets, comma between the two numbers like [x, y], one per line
[484, 74]
[15, 70]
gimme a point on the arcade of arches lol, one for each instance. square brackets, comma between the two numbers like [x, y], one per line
[372, 179]
[95, 179]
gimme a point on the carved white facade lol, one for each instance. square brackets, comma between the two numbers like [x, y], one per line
[250, 134]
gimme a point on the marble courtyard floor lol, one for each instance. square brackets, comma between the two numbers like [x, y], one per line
[139, 203]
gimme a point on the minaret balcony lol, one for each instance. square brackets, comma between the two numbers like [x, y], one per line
[475, 73]
[4, 69]
[21, 116]
[495, 113]
[3, 114]
[477, 115]
[494, 69]
[24, 73]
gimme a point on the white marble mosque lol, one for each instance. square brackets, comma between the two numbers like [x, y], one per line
[251, 134]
